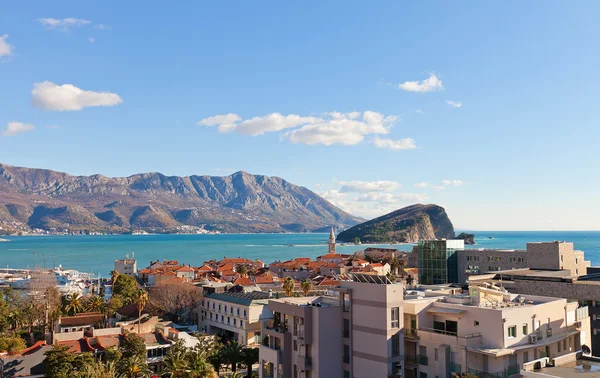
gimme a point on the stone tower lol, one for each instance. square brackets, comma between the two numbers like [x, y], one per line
[331, 241]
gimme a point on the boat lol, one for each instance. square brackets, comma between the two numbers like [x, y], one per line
[490, 237]
[4, 240]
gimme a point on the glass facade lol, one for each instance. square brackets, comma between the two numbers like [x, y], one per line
[437, 261]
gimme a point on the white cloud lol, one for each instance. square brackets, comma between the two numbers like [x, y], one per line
[400, 144]
[330, 128]
[225, 122]
[63, 24]
[102, 27]
[453, 182]
[14, 128]
[68, 97]
[431, 84]
[419, 111]
[92, 40]
[368, 186]
[332, 194]
[391, 198]
[6, 49]
[421, 185]
[438, 187]
[454, 104]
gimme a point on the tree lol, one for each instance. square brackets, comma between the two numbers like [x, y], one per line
[12, 344]
[142, 299]
[126, 287]
[179, 299]
[250, 357]
[306, 286]
[98, 369]
[132, 345]
[134, 367]
[182, 362]
[242, 270]
[114, 275]
[95, 304]
[176, 362]
[288, 286]
[73, 304]
[233, 353]
[60, 363]
[357, 240]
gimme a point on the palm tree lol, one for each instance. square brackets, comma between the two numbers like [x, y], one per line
[134, 367]
[74, 304]
[176, 364]
[242, 270]
[237, 375]
[95, 304]
[142, 299]
[98, 370]
[114, 275]
[15, 318]
[250, 357]
[199, 367]
[233, 353]
[288, 286]
[306, 286]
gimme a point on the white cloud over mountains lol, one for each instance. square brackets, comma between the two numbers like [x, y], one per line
[6, 49]
[444, 184]
[431, 84]
[14, 128]
[368, 186]
[332, 128]
[67, 97]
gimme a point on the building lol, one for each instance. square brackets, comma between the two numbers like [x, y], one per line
[27, 363]
[331, 242]
[585, 289]
[128, 266]
[437, 261]
[301, 341]
[235, 316]
[79, 322]
[490, 333]
[555, 255]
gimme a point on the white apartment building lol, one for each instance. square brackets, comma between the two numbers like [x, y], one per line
[235, 316]
[490, 333]
[128, 266]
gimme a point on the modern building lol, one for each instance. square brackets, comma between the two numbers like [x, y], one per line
[489, 332]
[556, 255]
[585, 289]
[235, 316]
[437, 261]
[128, 266]
[354, 331]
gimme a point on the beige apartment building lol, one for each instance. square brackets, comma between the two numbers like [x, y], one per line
[490, 332]
[235, 316]
[354, 331]
[556, 255]
[127, 266]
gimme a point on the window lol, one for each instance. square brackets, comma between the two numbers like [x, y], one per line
[346, 327]
[562, 258]
[238, 311]
[225, 308]
[244, 313]
[231, 310]
[346, 357]
[422, 375]
[396, 345]
[512, 331]
[346, 298]
[295, 345]
[525, 330]
[234, 322]
[222, 318]
[476, 323]
[395, 317]
[559, 344]
[346, 374]
[435, 354]
[219, 307]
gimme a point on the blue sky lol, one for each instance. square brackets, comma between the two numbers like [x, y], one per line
[358, 101]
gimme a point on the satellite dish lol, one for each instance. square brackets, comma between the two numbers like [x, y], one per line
[586, 350]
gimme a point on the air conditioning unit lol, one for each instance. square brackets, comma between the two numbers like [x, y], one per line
[533, 339]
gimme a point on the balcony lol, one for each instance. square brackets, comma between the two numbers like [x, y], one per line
[411, 360]
[450, 338]
[511, 370]
[304, 363]
[423, 360]
[410, 334]
[274, 356]
[455, 368]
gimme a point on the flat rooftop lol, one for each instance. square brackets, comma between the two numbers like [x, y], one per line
[315, 301]
[578, 369]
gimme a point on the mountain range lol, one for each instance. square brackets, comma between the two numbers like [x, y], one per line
[241, 202]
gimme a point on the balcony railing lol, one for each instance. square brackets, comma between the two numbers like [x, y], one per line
[423, 360]
[455, 368]
[410, 333]
[511, 370]
[410, 359]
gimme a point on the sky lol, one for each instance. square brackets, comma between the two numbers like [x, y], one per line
[489, 109]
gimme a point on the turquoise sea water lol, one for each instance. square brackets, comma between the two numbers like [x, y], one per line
[96, 254]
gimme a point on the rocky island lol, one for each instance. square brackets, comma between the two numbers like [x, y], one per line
[407, 225]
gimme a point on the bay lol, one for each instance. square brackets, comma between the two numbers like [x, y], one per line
[96, 254]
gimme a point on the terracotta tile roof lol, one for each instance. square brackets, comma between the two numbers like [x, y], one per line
[331, 256]
[154, 338]
[33, 348]
[226, 267]
[264, 280]
[81, 319]
[185, 269]
[327, 281]
[228, 273]
[238, 260]
[144, 271]
[412, 270]
[244, 281]
[330, 265]
[77, 346]
[376, 265]
[204, 268]
[105, 342]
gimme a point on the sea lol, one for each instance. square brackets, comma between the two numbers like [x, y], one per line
[96, 254]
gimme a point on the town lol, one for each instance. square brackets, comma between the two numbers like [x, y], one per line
[440, 310]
